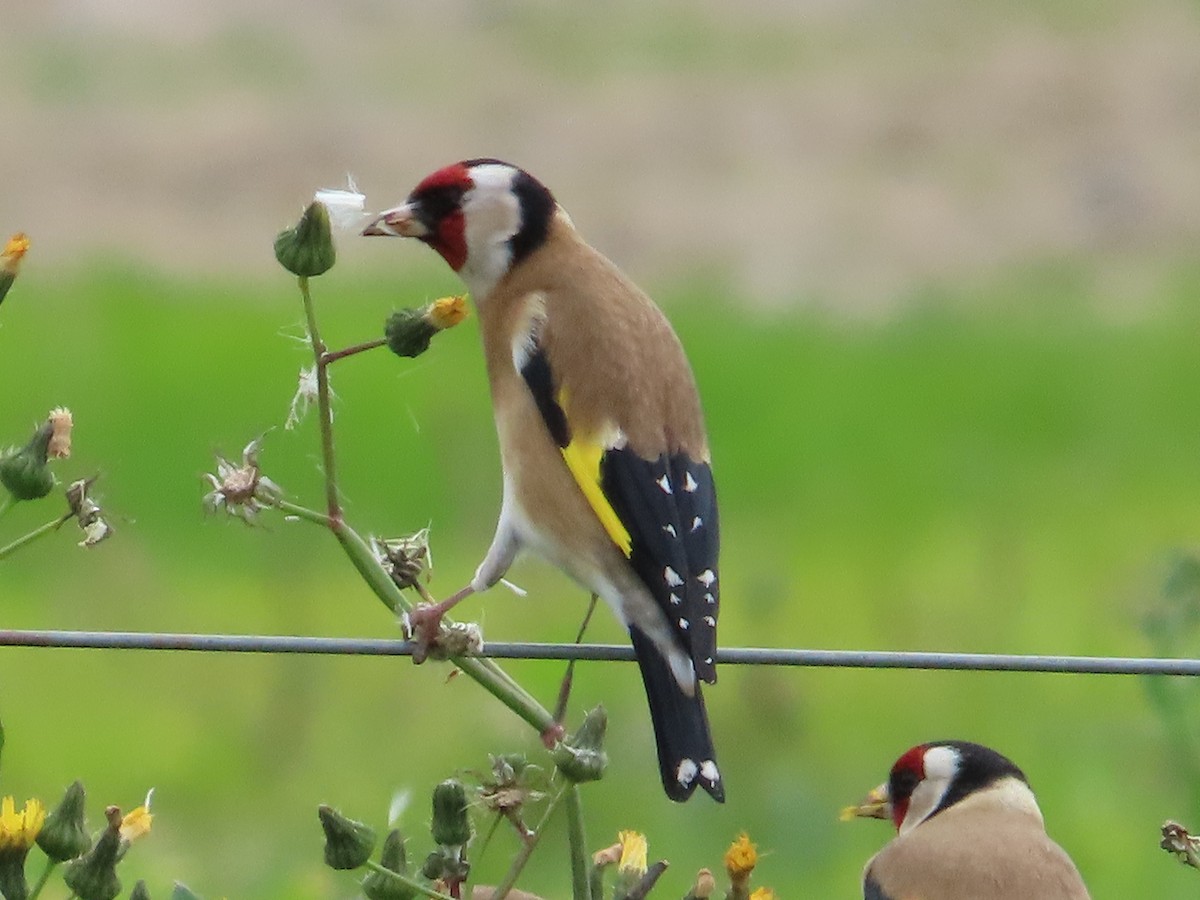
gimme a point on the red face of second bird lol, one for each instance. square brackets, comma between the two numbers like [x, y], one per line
[906, 774]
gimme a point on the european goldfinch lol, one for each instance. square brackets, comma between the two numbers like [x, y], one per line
[968, 828]
[605, 459]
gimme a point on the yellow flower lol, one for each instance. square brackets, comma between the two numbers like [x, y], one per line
[762, 894]
[741, 858]
[447, 312]
[18, 830]
[136, 823]
[16, 247]
[633, 852]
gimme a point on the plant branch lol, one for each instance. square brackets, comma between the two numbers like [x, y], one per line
[324, 408]
[527, 847]
[330, 357]
[485, 671]
[577, 840]
[34, 535]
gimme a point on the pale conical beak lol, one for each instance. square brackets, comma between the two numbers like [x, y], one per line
[401, 221]
[876, 805]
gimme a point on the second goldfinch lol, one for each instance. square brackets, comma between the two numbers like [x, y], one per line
[968, 828]
[605, 459]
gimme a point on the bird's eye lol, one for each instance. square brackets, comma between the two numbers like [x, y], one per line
[438, 202]
[903, 784]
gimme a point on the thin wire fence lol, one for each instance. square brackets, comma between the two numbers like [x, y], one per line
[744, 656]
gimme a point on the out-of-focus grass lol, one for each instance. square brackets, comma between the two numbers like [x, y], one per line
[999, 469]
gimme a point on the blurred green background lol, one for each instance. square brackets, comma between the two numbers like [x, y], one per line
[934, 268]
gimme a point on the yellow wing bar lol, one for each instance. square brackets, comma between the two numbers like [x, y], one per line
[583, 459]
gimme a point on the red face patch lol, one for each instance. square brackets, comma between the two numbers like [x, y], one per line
[450, 240]
[439, 197]
[907, 773]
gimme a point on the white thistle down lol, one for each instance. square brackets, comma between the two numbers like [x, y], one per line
[347, 207]
[306, 395]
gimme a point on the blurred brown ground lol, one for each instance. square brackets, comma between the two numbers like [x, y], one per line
[805, 152]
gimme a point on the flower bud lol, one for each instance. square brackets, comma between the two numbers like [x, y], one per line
[450, 827]
[23, 471]
[393, 855]
[94, 876]
[581, 757]
[740, 860]
[183, 892]
[64, 834]
[434, 864]
[409, 331]
[379, 885]
[139, 892]
[18, 831]
[446, 864]
[306, 249]
[348, 844]
[704, 886]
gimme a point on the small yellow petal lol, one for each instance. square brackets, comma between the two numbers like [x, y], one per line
[136, 823]
[762, 893]
[447, 312]
[16, 247]
[18, 830]
[12, 252]
[741, 857]
[633, 852]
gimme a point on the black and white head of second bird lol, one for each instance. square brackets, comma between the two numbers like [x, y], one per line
[967, 826]
[605, 458]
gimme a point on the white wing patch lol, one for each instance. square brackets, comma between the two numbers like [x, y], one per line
[529, 329]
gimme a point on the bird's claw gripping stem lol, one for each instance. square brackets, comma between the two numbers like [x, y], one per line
[425, 622]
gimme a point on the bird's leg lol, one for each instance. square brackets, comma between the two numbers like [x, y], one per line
[556, 732]
[425, 620]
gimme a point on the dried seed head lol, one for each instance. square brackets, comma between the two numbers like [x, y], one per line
[241, 490]
[87, 513]
[406, 559]
[59, 446]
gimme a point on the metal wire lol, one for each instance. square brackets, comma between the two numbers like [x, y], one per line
[747, 656]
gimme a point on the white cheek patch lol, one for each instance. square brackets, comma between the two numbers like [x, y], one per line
[492, 215]
[941, 765]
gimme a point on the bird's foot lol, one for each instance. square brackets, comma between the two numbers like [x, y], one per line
[423, 623]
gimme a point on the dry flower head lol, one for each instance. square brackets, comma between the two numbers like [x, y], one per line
[242, 490]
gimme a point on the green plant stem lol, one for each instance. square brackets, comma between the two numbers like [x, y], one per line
[42, 879]
[324, 409]
[302, 512]
[577, 840]
[6, 504]
[527, 848]
[424, 889]
[330, 357]
[485, 671]
[35, 534]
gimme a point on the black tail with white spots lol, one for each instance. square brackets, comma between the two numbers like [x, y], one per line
[685, 749]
